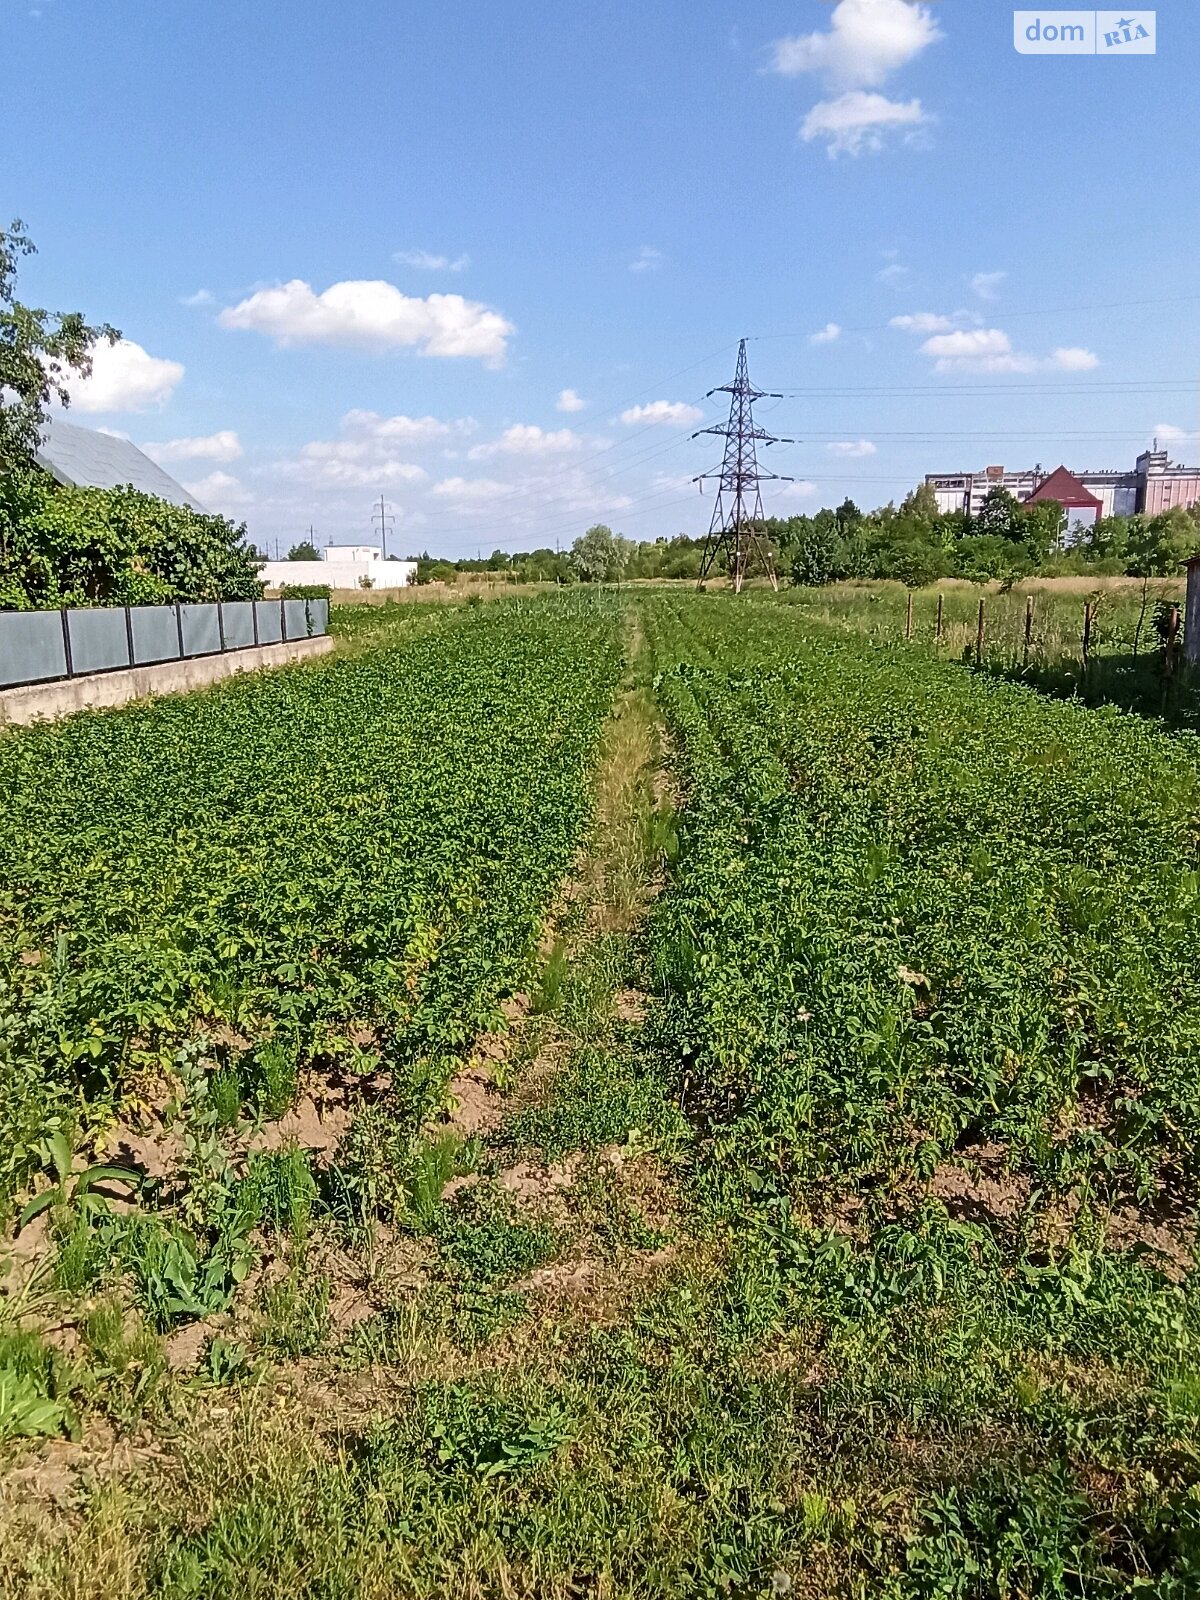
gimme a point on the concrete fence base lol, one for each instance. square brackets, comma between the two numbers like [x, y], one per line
[45, 702]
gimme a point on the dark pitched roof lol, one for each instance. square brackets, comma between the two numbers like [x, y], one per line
[81, 458]
[1066, 488]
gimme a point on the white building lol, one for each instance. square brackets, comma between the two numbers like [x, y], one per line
[342, 566]
[1154, 484]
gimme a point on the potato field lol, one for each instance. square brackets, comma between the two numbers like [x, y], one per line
[617, 1093]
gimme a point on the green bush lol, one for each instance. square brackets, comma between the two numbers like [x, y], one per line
[86, 547]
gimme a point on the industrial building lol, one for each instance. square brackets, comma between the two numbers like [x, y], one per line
[342, 566]
[1155, 484]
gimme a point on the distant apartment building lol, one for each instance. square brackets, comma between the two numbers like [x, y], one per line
[1155, 484]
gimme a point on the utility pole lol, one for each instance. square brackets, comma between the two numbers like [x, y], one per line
[385, 520]
[738, 514]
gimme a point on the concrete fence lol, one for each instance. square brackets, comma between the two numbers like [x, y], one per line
[43, 646]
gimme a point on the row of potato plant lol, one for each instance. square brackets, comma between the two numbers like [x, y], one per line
[341, 865]
[930, 979]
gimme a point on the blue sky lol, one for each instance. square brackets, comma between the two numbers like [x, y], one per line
[487, 259]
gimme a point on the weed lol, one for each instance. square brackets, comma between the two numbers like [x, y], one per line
[225, 1092]
[548, 994]
[276, 1072]
[294, 1313]
[433, 1163]
[278, 1191]
[34, 1389]
[76, 1193]
[481, 1232]
[125, 1358]
[602, 1094]
[225, 1362]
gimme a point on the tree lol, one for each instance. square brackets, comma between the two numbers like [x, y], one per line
[304, 551]
[920, 505]
[1040, 526]
[40, 352]
[913, 557]
[999, 515]
[600, 556]
[817, 549]
[981, 556]
[1105, 539]
[1158, 546]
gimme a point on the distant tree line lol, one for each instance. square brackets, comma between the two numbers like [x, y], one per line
[913, 542]
[918, 544]
[597, 556]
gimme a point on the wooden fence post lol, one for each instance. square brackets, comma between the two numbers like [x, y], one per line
[1087, 633]
[1172, 639]
[908, 618]
[1028, 626]
[979, 636]
[937, 635]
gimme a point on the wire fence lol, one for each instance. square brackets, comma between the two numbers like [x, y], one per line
[41, 646]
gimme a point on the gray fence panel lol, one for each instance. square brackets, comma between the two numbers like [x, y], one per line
[238, 618]
[155, 634]
[32, 647]
[99, 640]
[318, 616]
[201, 630]
[270, 628]
[295, 619]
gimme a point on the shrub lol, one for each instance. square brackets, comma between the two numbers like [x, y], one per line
[82, 547]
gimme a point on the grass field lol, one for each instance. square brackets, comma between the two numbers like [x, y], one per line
[632, 1095]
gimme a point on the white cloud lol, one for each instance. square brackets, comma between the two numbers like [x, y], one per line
[426, 261]
[373, 315]
[220, 491]
[568, 400]
[648, 259]
[370, 451]
[223, 446]
[202, 297]
[987, 284]
[468, 492]
[970, 346]
[369, 426]
[125, 378]
[866, 42]
[851, 448]
[1072, 358]
[893, 273]
[990, 350]
[527, 439]
[675, 412]
[859, 121]
[829, 334]
[923, 322]
[801, 490]
[335, 472]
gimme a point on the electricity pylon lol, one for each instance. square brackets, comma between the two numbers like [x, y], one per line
[738, 514]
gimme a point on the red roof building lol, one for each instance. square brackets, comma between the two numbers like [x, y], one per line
[1080, 506]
